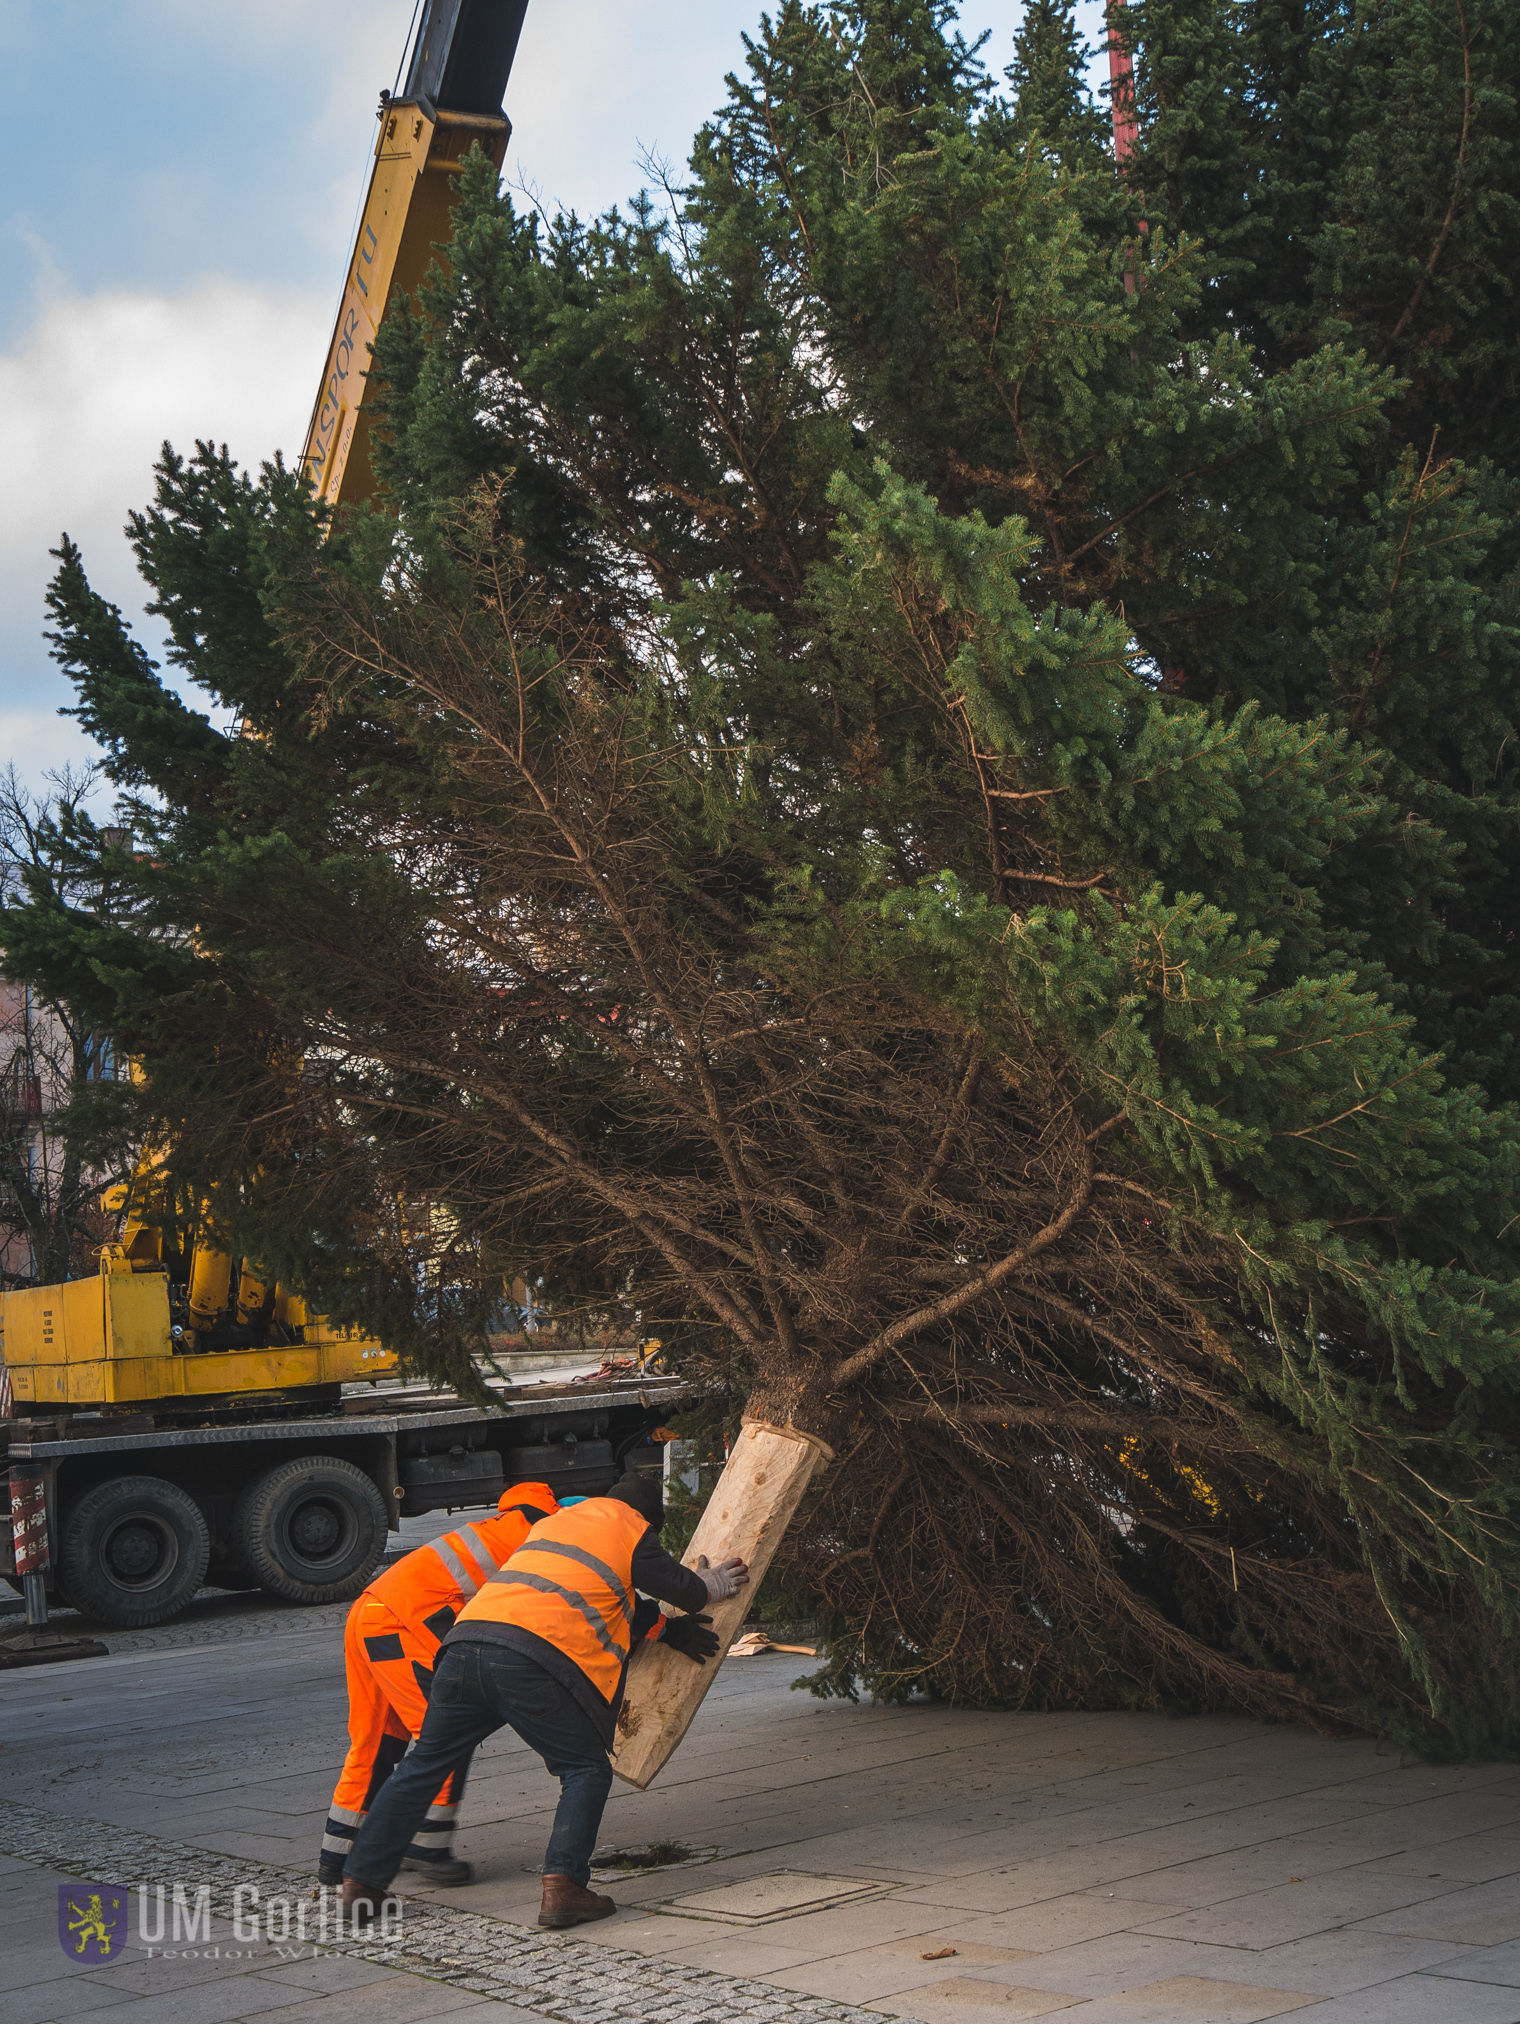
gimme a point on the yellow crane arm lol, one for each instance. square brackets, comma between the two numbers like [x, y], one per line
[457, 77]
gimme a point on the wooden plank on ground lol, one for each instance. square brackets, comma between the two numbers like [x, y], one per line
[761, 1486]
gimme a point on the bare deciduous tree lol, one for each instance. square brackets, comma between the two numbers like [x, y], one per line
[51, 1223]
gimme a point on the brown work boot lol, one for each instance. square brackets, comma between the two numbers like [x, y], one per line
[567, 1904]
[363, 1902]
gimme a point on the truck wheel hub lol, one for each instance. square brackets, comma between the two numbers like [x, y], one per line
[140, 1553]
[315, 1531]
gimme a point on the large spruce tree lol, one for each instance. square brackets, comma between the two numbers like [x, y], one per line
[941, 823]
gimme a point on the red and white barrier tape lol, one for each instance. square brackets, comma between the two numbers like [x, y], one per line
[29, 1534]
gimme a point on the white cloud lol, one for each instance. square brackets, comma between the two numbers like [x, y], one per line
[101, 380]
[86, 400]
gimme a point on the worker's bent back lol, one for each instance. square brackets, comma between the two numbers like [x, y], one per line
[434, 1582]
[571, 1584]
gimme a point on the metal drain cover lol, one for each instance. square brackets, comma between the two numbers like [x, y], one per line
[784, 1894]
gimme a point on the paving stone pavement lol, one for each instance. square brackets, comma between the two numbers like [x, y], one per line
[466, 1950]
[1117, 1869]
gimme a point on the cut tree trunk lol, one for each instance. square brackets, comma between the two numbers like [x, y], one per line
[760, 1488]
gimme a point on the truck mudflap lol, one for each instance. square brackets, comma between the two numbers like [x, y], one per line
[31, 1643]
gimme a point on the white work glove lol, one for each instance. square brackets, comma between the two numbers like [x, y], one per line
[724, 1580]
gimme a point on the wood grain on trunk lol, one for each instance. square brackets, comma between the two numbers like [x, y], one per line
[761, 1486]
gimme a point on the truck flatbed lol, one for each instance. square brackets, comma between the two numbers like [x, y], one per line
[300, 1501]
[401, 1413]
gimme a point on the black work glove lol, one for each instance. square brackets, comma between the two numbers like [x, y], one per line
[692, 1636]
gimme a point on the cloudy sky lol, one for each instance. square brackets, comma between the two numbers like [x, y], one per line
[181, 182]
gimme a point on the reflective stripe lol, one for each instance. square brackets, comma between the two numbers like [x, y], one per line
[578, 1603]
[588, 1560]
[571, 1583]
[481, 1547]
[338, 1834]
[465, 1575]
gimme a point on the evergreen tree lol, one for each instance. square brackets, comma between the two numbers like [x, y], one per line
[1052, 106]
[1353, 177]
[1348, 172]
[719, 830]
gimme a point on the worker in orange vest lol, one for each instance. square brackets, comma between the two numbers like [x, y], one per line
[390, 1647]
[543, 1647]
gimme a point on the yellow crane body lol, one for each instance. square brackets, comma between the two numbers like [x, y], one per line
[107, 1341]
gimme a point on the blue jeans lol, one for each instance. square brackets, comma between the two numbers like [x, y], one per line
[478, 1689]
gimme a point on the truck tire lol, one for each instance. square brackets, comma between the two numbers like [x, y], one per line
[133, 1551]
[312, 1530]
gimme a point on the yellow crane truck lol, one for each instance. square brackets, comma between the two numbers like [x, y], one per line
[183, 1420]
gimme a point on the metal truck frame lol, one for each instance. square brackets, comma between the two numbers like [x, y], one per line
[140, 1516]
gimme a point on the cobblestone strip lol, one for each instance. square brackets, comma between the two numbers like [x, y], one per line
[570, 1981]
[257, 1618]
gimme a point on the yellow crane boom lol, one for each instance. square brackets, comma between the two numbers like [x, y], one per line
[458, 73]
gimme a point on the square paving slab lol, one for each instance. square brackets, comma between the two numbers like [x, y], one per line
[967, 2001]
[1200, 1999]
[762, 1900]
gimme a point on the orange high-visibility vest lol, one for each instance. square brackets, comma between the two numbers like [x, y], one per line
[430, 1586]
[571, 1583]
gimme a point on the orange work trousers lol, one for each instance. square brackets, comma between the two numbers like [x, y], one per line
[390, 1674]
